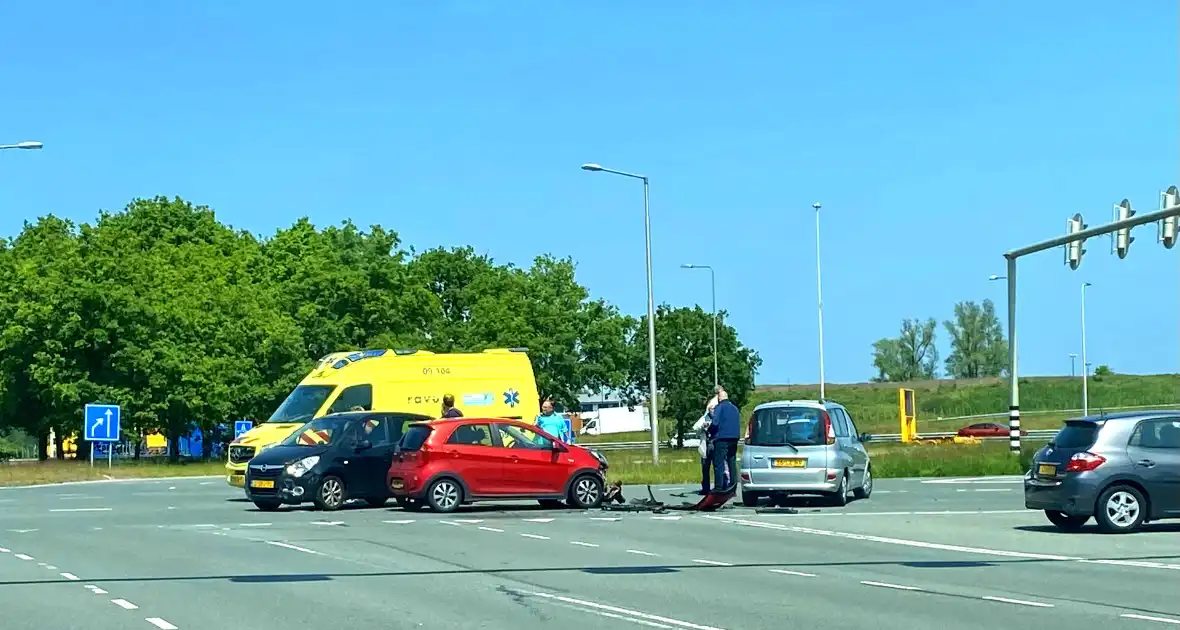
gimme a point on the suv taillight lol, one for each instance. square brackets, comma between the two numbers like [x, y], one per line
[1084, 462]
[829, 432]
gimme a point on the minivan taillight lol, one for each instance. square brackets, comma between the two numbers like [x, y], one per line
[829, 432]
[1084, 462]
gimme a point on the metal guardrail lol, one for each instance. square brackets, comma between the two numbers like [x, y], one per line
[877, 438]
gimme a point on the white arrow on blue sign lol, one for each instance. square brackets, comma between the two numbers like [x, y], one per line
[101, 423]
[242, 426]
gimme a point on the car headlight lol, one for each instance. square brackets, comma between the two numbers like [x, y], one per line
[600, 457]
[303, 466]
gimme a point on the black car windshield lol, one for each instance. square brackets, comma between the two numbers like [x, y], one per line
[301, 404]
[319, 432]
[795, 426]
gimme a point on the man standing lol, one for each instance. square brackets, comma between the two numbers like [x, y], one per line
[701, 427]
[448, 407]
[725, 429]
[551, 422]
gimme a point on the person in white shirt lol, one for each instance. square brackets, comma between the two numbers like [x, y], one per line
[701, 426]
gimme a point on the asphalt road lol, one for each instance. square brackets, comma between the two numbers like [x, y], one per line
[942, 554]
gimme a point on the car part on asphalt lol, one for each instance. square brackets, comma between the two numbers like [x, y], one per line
[709, 503]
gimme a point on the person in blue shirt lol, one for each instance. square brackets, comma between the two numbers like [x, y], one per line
[551, 422]
[725, 429]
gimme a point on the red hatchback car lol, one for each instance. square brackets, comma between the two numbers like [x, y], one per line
[986, 429]
[446, 463]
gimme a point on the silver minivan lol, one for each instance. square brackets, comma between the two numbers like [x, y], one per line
[804, 447]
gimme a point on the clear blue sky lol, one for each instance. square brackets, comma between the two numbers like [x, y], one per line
[936, 134]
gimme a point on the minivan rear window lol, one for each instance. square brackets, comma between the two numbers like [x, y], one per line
[1076, 434]
[414, 438]
[779, 426]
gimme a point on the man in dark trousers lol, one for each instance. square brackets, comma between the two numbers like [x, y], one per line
[725, 429]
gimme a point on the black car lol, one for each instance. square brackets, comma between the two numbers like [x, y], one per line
[329, 461]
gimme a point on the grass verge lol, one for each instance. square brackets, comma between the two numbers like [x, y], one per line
[32, 473]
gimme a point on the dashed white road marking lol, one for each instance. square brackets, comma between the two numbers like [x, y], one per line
[160, 623]
[50, 567]
[21, 556]
[204, 526]
[610, 615]
[205, 483]
[582, 544]
[635, 614]
[538, 520]
[536, 536]
[491, 529]
[290, 546]
[333, 523]
[900, 587]
[606, 518]
[712, 562]
[99, 509]
[666, 518]
[1019, 602]
[124, 604]
[94, 589]
[1150, 618]
[913, 513]
[69, 576]
[453, 523]
[405, 521]
[469, 521]
[641, 553]
[3, 550]
[790, 572]
[255, 524]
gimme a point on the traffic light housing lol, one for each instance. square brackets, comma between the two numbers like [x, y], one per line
[1167, 227]
[1122, 238]
[1074, 249]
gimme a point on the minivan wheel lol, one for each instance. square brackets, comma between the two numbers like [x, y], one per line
[330, 495]
[586, 492]
[1065, 521]
[840, 497]
[444, 495]
[866, 487]
[1121, 509]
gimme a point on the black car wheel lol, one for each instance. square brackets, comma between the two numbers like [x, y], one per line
[330, 495]
[866, 487]
[840, 497]
[1121, 509]
[444, 495]
[267, 505]
[586, 492]
[1065, 521]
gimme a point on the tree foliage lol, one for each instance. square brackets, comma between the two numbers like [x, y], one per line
[910, 356]
[978, 347]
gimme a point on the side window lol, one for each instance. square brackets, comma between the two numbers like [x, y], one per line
[841, 423]
[399, 423]
[512, 436]
[1162, 433]
[851, 425]
[375, 429]
[355, 398]
[472, 435]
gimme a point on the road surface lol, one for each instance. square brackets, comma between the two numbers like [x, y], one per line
[933, 554]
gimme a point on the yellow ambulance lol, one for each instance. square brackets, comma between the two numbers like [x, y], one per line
[496, 383]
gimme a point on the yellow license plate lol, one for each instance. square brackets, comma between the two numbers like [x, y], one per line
[262, 483]
[1047, 469]
[790, 463]
[397, 483]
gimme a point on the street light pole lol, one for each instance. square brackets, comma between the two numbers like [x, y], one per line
[22, 145]
[713, 286]
[1073, 368]
[651, 310]
[1085, 369]
[819, 301]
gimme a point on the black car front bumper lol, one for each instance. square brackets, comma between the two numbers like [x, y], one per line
[285, 488]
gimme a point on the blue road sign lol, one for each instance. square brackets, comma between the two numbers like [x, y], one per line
[101, 423]
[242, 426]
[569, 430]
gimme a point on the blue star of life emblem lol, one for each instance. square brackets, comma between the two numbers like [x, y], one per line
[511, 398]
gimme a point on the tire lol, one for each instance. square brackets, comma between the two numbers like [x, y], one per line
[750, 499]
[840, 496]
[1066, 522]
[866, 487]
[331, 494]
[444, 495]
[267, 505]
[551, 504]
[585, 492]
[376, 503]
[1120, 510]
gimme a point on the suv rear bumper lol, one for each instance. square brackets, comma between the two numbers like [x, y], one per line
[1071, 495]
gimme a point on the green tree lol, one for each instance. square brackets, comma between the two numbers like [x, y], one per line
[684, 364]
[910, 356]
[978, 347]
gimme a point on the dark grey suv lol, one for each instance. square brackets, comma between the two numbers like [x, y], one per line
[1122, 469]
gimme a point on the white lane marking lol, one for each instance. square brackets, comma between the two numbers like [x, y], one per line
[160, 623]
[993, 490]
[255, 524]
[171, 487]
[490, 529]
[327, 523]
[606, 518]
[401, 522]
[1143, 564]
[94, 589]
[451, 523]
[205, 483]
[23, 531]
[42, 564]
[1150, 618]
[900, 587]
[170, 507]
[124, 604]
[790, 572]
[641, 553]
[913, 513]
[22, 556]
[712, 562]
[469, 521]
[3, 550]
[975, 480]
[536, 536]
[609, 615]
[1019, 602]
[102, 509]
[666, 518]
[50, 567]
[204, 526]
[538, 520]
[69, 576]
[582, 544]
[625, 611]
[290, 546]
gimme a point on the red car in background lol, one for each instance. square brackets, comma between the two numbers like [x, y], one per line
[986, 429]
[446, 463]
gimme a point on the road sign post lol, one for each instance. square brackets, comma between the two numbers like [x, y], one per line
[100, 423]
